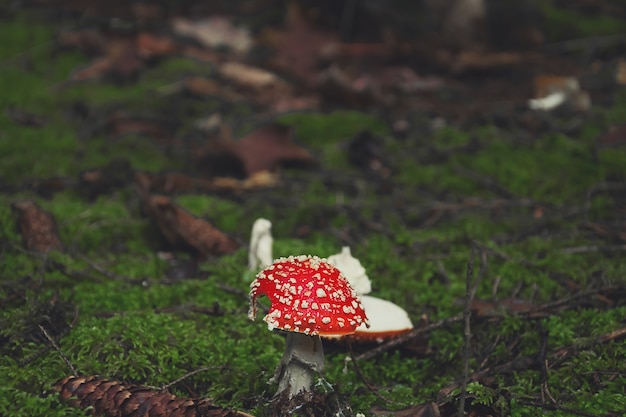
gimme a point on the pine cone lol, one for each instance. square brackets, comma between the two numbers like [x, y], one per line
[116, 399]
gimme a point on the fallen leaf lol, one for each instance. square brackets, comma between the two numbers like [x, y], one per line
[299, 45]
[613, 138]
[620, 72]
[215, 32]
[151, 46]
[37, 227]
[177, 182]
[160, 129]
[266, 148]
[206, 87]
[183, 229]
[120, 62]
[248, 75]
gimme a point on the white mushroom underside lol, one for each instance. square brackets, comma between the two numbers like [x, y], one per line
[384, 316]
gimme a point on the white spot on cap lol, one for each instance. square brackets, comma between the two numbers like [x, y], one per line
[320, 293]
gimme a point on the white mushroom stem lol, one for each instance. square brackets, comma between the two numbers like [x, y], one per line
[261, 241]
[302, 360]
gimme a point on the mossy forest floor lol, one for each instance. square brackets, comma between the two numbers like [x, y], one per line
[534, 201]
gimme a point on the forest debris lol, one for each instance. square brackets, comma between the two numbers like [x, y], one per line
[552, 92]
[97, 181]
[299, 45]
[614, 137]
[25, 118]
[266, 148]
[470, 60]
[120, 61]
[110, 398]
[215, 32]
[120, 56]
[366, 151]
[177, 182]
[620, 72]
[183, 229]
[37, 227]
[151, 46]
[248, 75]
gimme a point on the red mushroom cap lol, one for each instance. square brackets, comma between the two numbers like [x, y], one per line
[308, 295]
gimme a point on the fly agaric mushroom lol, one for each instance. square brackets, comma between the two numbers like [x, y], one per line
[309, 297]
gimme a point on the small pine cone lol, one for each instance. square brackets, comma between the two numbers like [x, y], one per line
[116, 399]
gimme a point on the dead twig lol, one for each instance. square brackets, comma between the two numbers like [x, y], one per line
[594, 248]
[187, 375]
[532, 314]
[407, 336]
[59, 351]
[470, 292]
[357, 369]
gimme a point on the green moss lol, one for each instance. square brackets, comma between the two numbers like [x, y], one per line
[135, 324]
[562, 24]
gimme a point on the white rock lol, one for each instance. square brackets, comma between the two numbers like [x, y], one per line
[352, 269]
[261, 242]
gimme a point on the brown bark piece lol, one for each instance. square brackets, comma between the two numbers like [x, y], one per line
[116, 399]
[182, 228]
[37, 227]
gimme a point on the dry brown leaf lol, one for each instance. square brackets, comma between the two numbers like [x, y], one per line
[176, 182]
[215, 32]
[150, 45]
[183, 229]
[470, 60]
[248, 75]
[266, 148]
[120, 61]
[620, 72]
[300, 45]
[206, 87]
[37, 227]
[90, 41]
[613, 138]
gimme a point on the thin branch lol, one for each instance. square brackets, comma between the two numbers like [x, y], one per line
[470, 292]
[408, 336]
[187, 375]
[595, 248]
[58, 349]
